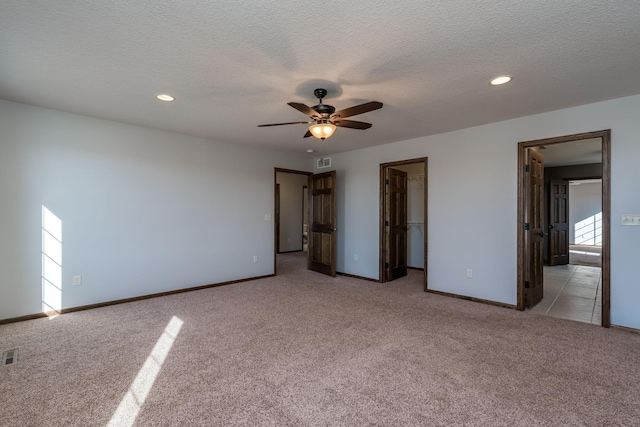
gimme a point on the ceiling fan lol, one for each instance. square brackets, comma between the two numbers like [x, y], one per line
[325, 118]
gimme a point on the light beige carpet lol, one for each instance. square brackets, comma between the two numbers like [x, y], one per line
[303, 349]
[585, 255]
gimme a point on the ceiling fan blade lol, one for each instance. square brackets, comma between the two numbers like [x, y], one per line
[308, 134]
[358, 109]
[351, 124]
[304, 109]
[280, 124]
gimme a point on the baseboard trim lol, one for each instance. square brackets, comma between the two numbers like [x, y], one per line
[125, 300]
[415, 268]
[358, 277]
[27, 317]
[626, 329]
[480, 300]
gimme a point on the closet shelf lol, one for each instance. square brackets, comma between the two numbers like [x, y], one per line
[418, 178]
[417, 225]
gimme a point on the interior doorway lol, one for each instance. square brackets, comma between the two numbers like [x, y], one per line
[403, 218]
[291, 213]
[545, 230]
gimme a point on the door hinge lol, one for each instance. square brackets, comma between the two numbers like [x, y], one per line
[386, 181]
[386, 223]
[527, 168]
[386, 265]
[526, 285]
[527, 226]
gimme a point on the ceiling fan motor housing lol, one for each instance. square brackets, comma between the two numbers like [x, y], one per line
[322, 109]
[320, 93]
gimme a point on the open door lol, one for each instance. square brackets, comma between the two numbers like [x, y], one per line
[559, 222]
[534, 233]
[396, 224]
[322, 233]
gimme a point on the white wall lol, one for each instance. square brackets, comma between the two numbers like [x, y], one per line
[585, 213]
[472, 202]
[291, 210]
[142, 211]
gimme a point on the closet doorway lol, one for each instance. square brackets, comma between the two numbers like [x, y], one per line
[403, 218]
[291, 212]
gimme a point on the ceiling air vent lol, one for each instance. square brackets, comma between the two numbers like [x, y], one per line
[10, 357]
[323, 162]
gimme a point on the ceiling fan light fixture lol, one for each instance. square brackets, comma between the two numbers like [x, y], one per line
[322, 130]
[323, 116]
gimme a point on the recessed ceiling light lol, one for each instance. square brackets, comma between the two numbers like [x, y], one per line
[309, 150]
[500, 80]
[165, 97]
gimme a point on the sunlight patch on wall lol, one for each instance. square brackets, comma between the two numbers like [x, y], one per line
[132, 402]
[589, 230]
[51, 262]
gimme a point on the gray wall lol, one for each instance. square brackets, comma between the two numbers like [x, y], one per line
[592, 170]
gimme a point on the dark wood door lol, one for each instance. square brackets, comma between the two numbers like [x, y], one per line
[322, 233]
[534, 231]
[559, 222]
[396, 224]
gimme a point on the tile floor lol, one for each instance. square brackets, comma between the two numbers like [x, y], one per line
[572, 292]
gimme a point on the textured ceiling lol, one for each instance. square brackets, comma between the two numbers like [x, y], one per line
[580, 152]
[235, 64]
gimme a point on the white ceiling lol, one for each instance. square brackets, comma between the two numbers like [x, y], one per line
[584, 151]
[235, 64]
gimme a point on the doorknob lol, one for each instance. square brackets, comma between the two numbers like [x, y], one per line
[542, 233]
[551, 227]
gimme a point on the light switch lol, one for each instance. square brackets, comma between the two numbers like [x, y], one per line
[267, 217]
[630, 219]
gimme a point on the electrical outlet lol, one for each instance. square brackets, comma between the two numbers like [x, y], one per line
[267, 217]
[77, 280]
[256, 258]
[469, 273]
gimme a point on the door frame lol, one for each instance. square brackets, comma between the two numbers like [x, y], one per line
[276, 217]
[305, 198]
[275, 207]
[383, 200]
[605, 136]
